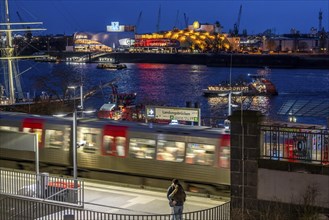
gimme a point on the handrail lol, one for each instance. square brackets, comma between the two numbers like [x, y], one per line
[18, 206]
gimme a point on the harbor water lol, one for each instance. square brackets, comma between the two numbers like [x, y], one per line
[175, 85]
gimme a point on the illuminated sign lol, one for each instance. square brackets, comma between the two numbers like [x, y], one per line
[115, 27]
[172, 113]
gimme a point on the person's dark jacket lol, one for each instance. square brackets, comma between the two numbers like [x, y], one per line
[179, 196]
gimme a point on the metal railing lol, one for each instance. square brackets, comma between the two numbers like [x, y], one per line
[295, 144]
[42, 187]
[22, 208]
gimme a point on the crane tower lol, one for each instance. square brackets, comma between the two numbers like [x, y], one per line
[320, 21]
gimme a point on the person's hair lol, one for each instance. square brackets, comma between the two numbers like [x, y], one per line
[175, 181]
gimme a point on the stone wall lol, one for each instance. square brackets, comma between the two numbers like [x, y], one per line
[269, 189]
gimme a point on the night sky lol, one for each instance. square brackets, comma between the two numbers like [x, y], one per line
[69, 16]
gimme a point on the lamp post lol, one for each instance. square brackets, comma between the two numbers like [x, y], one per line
[74, 137]
[74, 145]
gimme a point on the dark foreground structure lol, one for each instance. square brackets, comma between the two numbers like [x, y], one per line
[278, 171]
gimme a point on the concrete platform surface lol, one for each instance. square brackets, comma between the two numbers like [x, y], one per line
[131, 200]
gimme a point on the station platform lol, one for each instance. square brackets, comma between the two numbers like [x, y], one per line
[118, 199]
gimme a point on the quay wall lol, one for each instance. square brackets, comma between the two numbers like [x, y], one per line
[220, 60]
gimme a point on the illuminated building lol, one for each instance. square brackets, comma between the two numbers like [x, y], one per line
[104, 41]
[197, 38]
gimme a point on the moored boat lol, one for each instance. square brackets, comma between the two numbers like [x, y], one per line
[259, 86]
[115, 66]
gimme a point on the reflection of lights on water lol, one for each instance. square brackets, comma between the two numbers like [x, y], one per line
[196, 68]
[259, 103]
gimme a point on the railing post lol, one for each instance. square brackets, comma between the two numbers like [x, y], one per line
[42, 185]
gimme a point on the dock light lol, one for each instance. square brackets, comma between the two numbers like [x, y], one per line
[292, 119]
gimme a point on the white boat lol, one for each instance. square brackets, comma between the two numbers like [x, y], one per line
[114, 66]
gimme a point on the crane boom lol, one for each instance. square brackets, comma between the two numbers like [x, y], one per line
[138, 21]
[186, 20]
[237, 24]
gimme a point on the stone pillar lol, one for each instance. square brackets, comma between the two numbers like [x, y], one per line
[245, 140]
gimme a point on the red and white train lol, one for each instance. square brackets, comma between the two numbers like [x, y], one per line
[126, 152]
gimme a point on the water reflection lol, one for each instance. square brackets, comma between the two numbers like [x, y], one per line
[174, 85]
[219, 105]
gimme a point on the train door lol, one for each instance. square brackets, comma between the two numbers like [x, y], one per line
[115, 141]
[224, 151]
[34, 125]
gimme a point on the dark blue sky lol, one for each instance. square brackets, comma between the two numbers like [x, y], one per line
[69, 16]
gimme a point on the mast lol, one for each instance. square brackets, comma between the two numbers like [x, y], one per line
[8, 51]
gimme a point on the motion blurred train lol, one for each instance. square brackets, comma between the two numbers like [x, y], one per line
[118, 151]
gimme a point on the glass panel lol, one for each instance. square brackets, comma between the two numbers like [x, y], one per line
[87, 138]
[120, 145]
[171, 151]
[108, 142]
[142, 148]
[54, 139]
[202, 154]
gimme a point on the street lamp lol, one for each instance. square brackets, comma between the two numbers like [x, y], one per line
[229, 94]
[81, 96]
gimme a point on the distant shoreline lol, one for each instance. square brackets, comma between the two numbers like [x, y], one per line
[217, 60]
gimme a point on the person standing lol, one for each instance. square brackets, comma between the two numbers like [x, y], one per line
[176, 196]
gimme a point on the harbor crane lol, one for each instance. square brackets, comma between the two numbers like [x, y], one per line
[158, 22]
[237, 24]
[186, 20]
[138, 21]
[176, 21]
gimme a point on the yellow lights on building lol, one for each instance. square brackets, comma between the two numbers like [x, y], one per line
[194, 40]
[193, 37]
[182, 38]
[175, 36]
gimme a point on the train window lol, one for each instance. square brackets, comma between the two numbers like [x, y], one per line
[202, 154]
[170, 151]
[87, 138]
[114, 146]
[142, 148]
[9, 128]
[224, 157]
[120, 146]
[54, 139]
[107, 143]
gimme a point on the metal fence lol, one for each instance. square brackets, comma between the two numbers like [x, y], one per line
[25, 195]
[295, 144]
[12, 207]
[42, 187]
